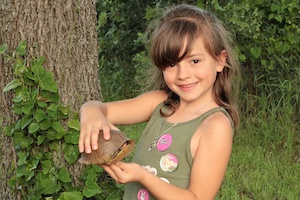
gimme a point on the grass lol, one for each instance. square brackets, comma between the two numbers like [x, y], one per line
[265, 162]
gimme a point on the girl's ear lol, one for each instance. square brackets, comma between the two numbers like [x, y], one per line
[222, 60]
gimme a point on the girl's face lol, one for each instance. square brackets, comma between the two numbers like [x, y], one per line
[192, 79]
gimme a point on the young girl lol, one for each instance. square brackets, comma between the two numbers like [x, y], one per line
[185, 148]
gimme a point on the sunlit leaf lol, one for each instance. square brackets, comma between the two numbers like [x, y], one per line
[12, 85]
[39, 115]
[63, 175]
[71, 153]
[72, 137]
[74, 124]
[92, 188]
[3, 48]
[33, 127]
[75, 195]
[21, 48]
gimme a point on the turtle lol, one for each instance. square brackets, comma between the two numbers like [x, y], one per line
[109, 151]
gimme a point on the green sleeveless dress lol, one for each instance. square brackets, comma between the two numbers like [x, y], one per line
[171, 158]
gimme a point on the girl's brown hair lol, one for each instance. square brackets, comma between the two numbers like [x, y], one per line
[185, 23]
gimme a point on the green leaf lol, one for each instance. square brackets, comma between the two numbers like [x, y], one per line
[74, 124]
[17, 139]
[19, 67]
[25, 142]
[39, 115]
[3, 48]
[21, 49]
[40, 60]
[28, 106]
[75, 195]
[71, 153]
[24, 171]
[25, 121]
[58, 127]
[8, 130]
[256, 52]
[46, 96]
[18, 99]
[40, 139]
[33, 127]
[12, 182]
[31, 76]
[51, 135]
[53, 107]
[47, 83]
[64, 110]
[22, 157]
[92, 188]
[63, 175]
[12, 85]
[72, 137]
[46, 165]
[45, 125]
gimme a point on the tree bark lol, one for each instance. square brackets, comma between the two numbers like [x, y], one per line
[64, 31]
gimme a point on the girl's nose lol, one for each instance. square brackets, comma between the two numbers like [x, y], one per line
[183, 72]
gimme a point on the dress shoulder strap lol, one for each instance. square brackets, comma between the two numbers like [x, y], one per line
[217, 109]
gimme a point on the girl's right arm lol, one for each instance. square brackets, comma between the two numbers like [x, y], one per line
[96, 116]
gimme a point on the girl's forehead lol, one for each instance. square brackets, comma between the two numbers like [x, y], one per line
[196, 46]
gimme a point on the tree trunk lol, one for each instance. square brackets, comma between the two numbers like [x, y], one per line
[64, 31]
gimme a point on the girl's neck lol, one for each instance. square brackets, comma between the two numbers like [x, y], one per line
[186, 111]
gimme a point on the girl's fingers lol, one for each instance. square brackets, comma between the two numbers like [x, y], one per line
[94, 138]
[110, 172]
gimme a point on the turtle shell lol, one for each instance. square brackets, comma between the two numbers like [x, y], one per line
[109, 151]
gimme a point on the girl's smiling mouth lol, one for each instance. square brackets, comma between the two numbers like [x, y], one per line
[187, 87]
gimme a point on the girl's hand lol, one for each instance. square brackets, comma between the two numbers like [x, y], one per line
[92, 121]
[126, 172]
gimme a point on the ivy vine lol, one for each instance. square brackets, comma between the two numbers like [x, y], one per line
[44, 126]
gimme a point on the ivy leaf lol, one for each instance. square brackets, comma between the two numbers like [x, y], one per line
[47, 83]
[33, 127]
[3, 48]
[75, 195]
[25, 121]
[71, 153]
[12, 182]
[40, 139]
[58, 127]
[21, 49]
[20, 67]
[256, 52]
[24, 171]
[22, 158]
[74, 124]
[28, 106]
[45, 125]
[92, 188]
[12, 85]
[64, 176]
[40, 60]
[72, 137]
[25, 142]
[46, 165]
[46, 96]
[64, 110]
[39, 115]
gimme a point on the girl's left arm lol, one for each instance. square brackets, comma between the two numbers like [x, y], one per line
[209, 165]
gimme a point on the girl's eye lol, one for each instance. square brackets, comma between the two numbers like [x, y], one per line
[195, 61]
[173, 65]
